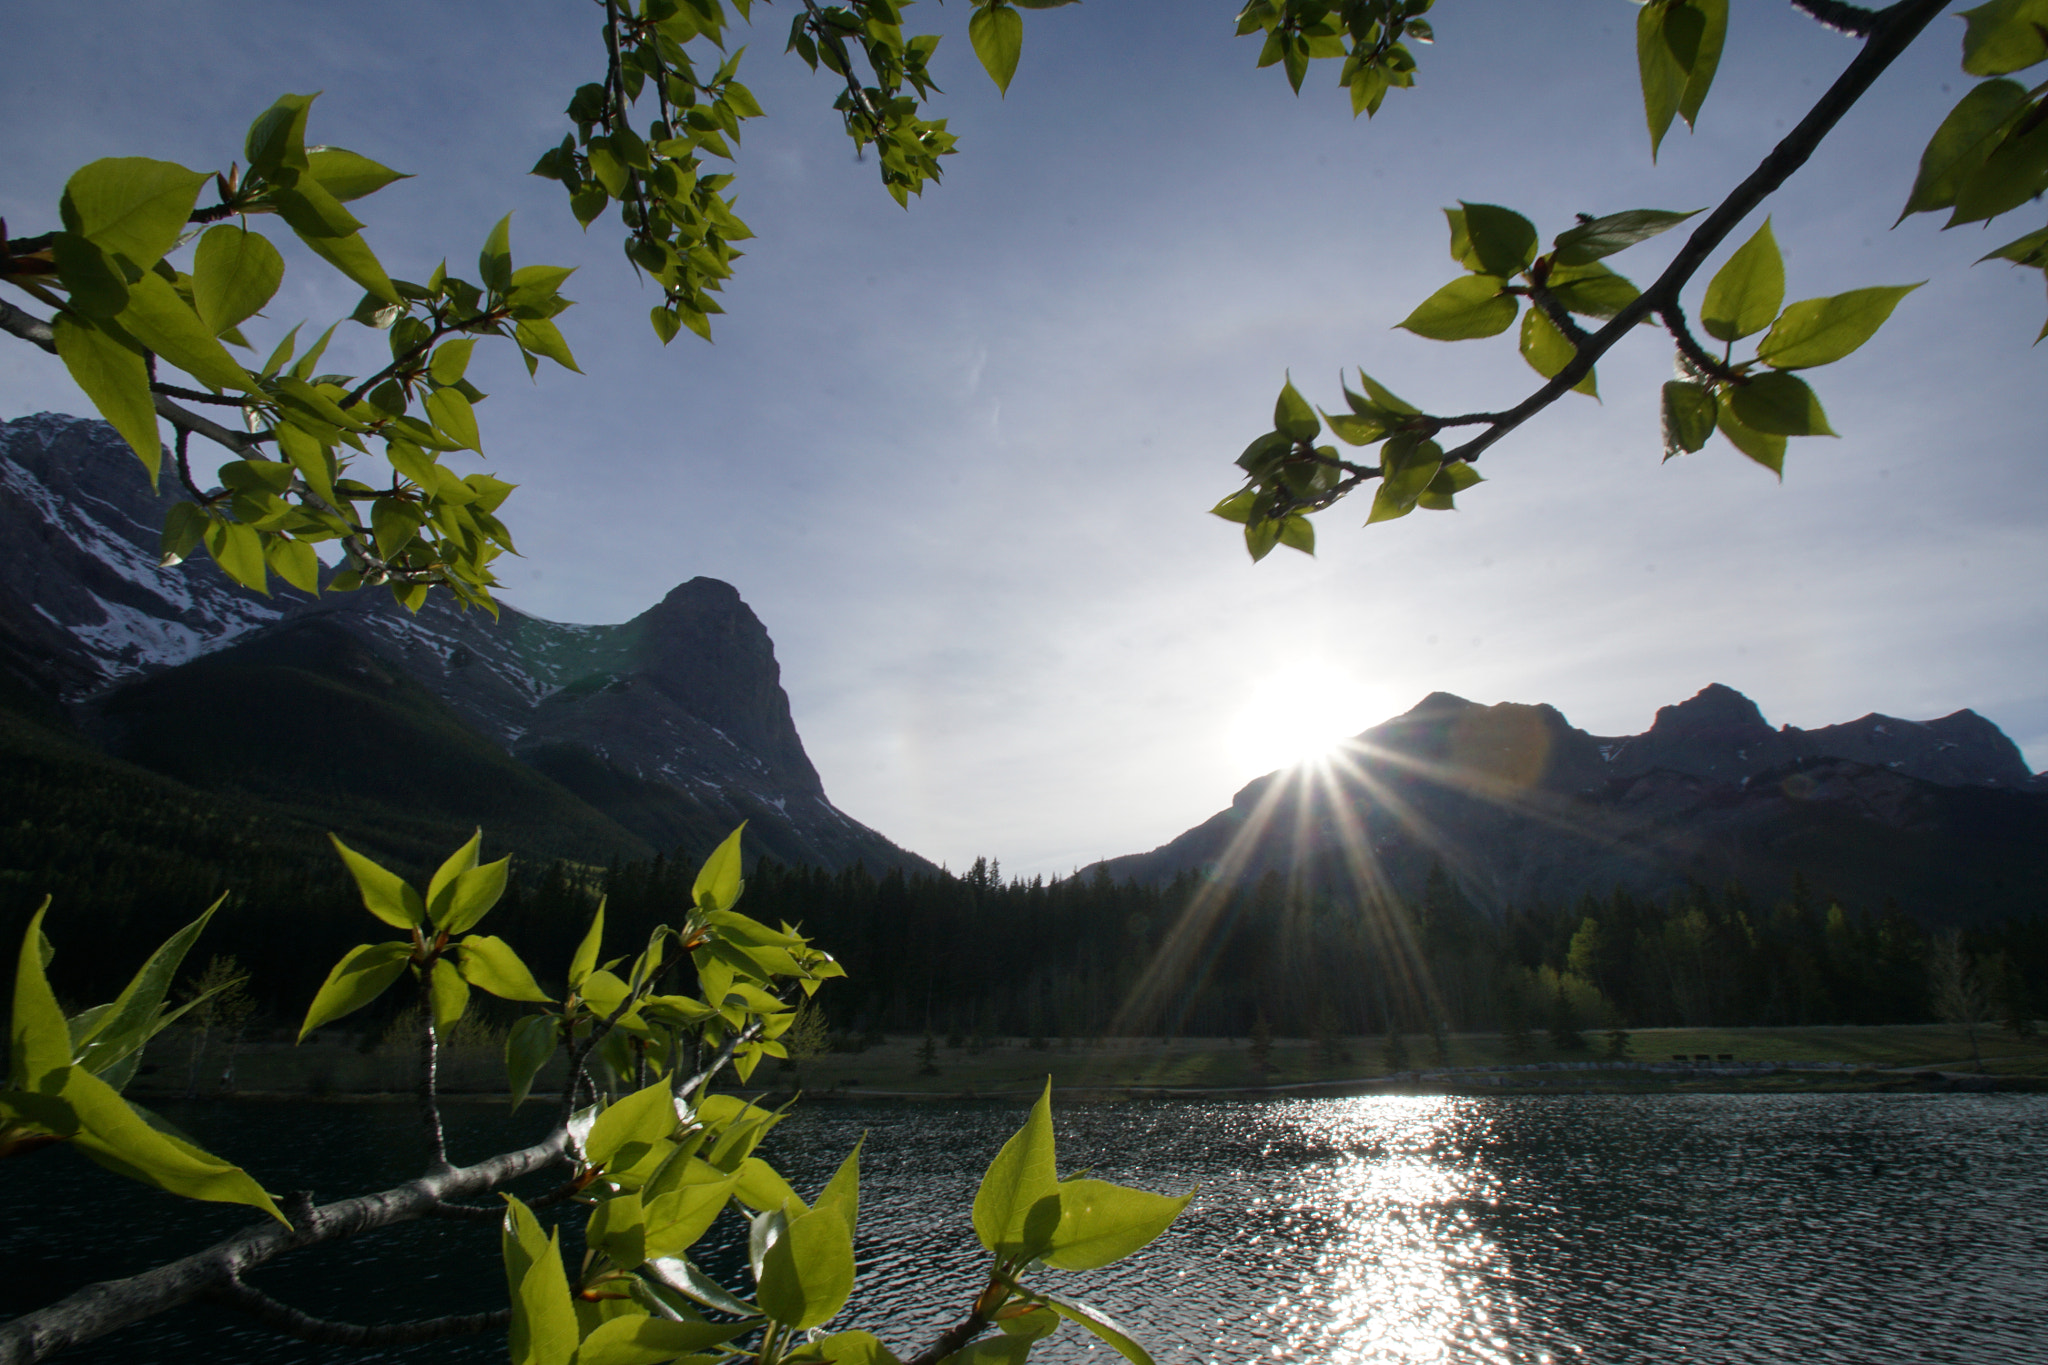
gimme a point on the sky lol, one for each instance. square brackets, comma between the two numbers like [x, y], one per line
[958, 458]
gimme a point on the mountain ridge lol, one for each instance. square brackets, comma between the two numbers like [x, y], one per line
[665, 730]
[1517, 805]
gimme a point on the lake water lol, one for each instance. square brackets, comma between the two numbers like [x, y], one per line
[1617, 1229]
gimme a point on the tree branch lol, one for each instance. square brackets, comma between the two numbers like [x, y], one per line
[101, 1308]
[1850, 19]
[1673, 318]
[954, 1338]
[282, 1317]
[27, 326]
[1892, 32]
[430, 1057]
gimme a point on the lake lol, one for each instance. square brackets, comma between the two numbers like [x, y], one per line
[1860, 1228]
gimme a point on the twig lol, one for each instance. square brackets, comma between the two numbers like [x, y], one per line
[954, 1338]
[1850, 19]
[282, 1317]
[27, 326]
[430, 1058]
[98, 1309]
[1673, 318]
[1892, 32]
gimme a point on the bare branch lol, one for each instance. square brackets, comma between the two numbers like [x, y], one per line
[282, 1317]
[27, 326]
[101, 1308]
[1851, 19]
[430, 1068]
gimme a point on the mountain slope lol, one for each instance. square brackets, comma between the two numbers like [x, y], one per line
[1521, 808]
[594, 742]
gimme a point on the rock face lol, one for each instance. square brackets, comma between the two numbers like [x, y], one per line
[1520, 807]
[673, 726]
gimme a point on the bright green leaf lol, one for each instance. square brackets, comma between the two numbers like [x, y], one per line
[470, 897]
[1100, 1223]
[1745, 294]
[718, 883]
[1466, 308]
[234, 273]
[385, 894]
[238, 548]
[347, 175]
[1766, 449]
[450, 994]
[489, 963]
[1021, 1175]
[642, 1340]
[117, 1137]
[807, 1272]
[543, 1330]
[528, 1046]
[360, 977]
[1293, 417]
[105, 362]
[454, 418]
[38, 1039]
[1821, 331]
[2005, 35]
[130, 206]
[997, 32]
[1548, 350]
[627, 1129]
[163, 322]
[1502, 242]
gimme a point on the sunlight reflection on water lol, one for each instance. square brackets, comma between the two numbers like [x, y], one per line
[1530, 1231]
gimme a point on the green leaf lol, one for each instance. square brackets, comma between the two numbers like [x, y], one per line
[360, 977]
[131, 207]
[999, 1350]
[854, 1348]
[2016, 171]
[677, 1218]
[294, 562]
[135, 1015]
[1766, 449]
[841, 1194]
[543, 1330]
[528, 1046]
[453, 866]
[277, 139]
[346, 175]
[117, 1137]
[1548, 350]
[807, 1272]
[1502, 242]
[38, 1039]
[163, 322]
[585, 959]
[1962, 142]
[108, 366]
[385, 894]
[1604, 236]
[489, 963]
[451, 360]
[1822, 331]
[352, 256]
[469, 897]
[1237, 507]
[641, 1340]
[98, 287]
[626, 1130]
[1778, 404]
[1451, 479]
[760, 1186]
[718, 883]
[1382, 399]
[1293, 417]
[1020, 1176]
[1466, 308]
[1298, 533]
[184, 524]
[1663, 80]
[1700, 56]
[234, 273]
[450, 994]
[2005, 35]
[543, 338]
[1591, 291]
[1410, 465]
[1689, 413]
[1101, 1223]
[494, 262]
[238, 548]
[997, 32]
[1745, 294]
[454, 418]
[1101, 1324]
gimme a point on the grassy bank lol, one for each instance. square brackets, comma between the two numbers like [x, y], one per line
[1885, 1056]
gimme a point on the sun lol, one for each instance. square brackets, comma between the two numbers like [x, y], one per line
[1299, 714]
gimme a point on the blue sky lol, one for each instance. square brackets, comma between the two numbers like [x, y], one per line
[958, 458]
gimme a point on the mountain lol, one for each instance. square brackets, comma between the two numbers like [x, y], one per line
[1519, 807]
[587, 742]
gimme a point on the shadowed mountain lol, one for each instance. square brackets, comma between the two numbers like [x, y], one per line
[1520, 807]
[593, 742]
